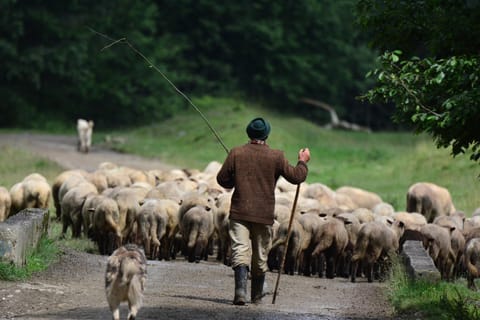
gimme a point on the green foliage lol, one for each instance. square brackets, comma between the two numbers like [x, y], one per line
[261, 48]
[438, 96]
[53, 65]
[422, 27]
[430, 69]
[46, 252]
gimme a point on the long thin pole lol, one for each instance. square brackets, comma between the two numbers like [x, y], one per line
[151, 65]
[282, 263]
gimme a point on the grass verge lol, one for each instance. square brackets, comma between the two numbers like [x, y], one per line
[39, 259]
[431, 300]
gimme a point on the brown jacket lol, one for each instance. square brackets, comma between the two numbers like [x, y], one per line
[253, 170]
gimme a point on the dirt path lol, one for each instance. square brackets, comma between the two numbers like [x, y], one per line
[72, 288]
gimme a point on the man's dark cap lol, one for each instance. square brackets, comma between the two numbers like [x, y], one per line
[258, 128]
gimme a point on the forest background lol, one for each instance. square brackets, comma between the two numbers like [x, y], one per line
[275, 52]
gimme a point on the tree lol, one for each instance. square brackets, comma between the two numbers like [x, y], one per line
[430, 68]
[276, 51]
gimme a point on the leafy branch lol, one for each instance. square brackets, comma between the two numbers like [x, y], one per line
[437, 96]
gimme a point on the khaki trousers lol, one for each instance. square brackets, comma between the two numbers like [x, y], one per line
[251, 243]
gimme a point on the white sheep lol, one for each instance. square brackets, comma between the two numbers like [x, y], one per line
[125, 279]
[84, 130]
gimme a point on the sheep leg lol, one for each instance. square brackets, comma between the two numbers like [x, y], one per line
[330, 266]
[353, 273]
[471, 282]
[133, 309]
[114, 307]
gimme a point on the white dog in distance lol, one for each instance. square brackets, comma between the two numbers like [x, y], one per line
[125, 279]
[84, 129]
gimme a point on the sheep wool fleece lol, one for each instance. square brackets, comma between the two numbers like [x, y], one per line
[253, 170]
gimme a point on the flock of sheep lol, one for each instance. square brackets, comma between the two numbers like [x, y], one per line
[347, 232]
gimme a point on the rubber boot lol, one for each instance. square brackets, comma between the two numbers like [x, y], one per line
[241, 276]
[257, 290]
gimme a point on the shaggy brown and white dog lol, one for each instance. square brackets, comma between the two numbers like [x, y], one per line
[125, 279]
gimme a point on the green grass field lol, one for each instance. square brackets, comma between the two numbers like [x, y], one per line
[383, 162]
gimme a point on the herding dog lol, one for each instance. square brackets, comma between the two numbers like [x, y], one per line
[125, 279]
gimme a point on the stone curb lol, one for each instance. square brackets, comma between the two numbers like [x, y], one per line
[19, 235]
[419, 265]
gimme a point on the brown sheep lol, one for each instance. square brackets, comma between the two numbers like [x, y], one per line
[362, 198]
[5, 203]
[91, 202]
[471, 223]
[128, 200]
[310, 205]
[352, 225]
[344, 202]
[141, 234]
[437, 241]
[282, 212]
[106, 229]
[32, 192]
[222, 221]
[125, 279]
[412, 220]
[142, 176]
[311, 223]
[322, 193]
[69, 183]
[197, 228]
[331, 239]
[194, 198]
[117, 177]
[72, 204]
[455, 224]
[476, 212]
[364, 215]
[471, 233]
[295, 242]
[57, 183]
[383, 209]
[98, 179]
[430, 200]
[166, 190]
[157, 225]
[375, 240]
[16, 196]
[472, 261]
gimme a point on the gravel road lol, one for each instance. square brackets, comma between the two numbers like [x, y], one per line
[73, 287]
